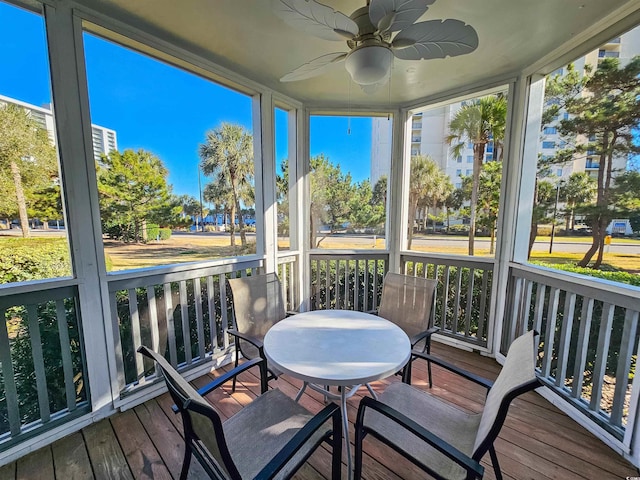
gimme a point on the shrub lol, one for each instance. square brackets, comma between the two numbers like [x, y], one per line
[614, 276]
[153, 231]
[33, 259]
[164, 234]
[544, 230]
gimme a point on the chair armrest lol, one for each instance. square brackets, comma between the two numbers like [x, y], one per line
[419, 336]
[249, 338]
[486, 383]
[208, 388]
[468, 463]
[299, 439]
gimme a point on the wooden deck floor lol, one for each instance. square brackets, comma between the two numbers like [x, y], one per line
[537, 441]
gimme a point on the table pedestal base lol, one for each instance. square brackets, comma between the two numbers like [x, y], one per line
[345, 393]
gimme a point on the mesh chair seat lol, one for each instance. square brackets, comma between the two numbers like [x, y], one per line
[423, 427]
[261, 429]
[453, 425]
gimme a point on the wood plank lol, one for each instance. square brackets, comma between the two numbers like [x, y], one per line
[38, 464]
[143, 458]
[70, 458]
[166, 439]
[8, 472]
[107, 459]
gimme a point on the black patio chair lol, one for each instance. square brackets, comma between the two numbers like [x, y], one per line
[257, 306]
[269, 438]
[406, 301]
[437, 436]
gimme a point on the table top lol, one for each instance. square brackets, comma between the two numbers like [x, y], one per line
[337, 347]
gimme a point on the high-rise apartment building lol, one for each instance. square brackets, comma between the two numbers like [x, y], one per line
[430, 128]
[104, 139]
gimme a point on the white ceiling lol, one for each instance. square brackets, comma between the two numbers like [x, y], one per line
[246, 37]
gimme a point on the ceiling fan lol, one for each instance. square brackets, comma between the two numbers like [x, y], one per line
[369, 33]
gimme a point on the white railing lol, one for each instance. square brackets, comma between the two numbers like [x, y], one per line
[184, 310]
[588, 344]
[43, 382]
[462, 301]
[347, 280]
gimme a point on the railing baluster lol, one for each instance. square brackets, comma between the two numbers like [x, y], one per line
[345, 301]
[375, 285]
[224, 310]
[604, 338]
[211, 304]
[356, 282]
[445, 298]
[8, 375]
[582, 346]
[153, 318]
[565, 338]
[197, 295]
[135, 331]
[115, 326]
[526, 306]
[184, 316]
[456, 307]
[366, 285]
[537, 312]
[38, 362]
[171, 329]
[65, 351]
[484, 295]
[434, 320]
[550, 332]
[469, 306]
[624, 365]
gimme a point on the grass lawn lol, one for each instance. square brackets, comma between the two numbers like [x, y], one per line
[194, 248]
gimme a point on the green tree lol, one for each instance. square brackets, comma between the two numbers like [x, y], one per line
[427, 182]
[227, 156]
[330, 193]
[489, 199]
[27, 156]
[133, 192]
[579, 189]
[479, 122]
[543, 203]
[46, 204]
[604, 108]
[627, 193]
[364, 209]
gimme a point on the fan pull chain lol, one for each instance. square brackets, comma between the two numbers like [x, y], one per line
[349, 103]
[389, 96]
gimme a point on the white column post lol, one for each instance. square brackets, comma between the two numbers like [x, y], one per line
[518, 179]
[296, 199]
[265, 180]
[398, 188]
[304, 204]
[71, 107]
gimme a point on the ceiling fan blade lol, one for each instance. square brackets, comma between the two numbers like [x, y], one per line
[395, 15]
[316, 19]
[435, 39]
[315, 67]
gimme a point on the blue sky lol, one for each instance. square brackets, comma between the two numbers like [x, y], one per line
[158, 107]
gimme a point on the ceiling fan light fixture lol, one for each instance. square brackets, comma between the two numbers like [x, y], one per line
[369, 64]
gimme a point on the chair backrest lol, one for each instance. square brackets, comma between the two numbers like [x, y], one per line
[406, 301]
[257, 303]
[517, 376]
[200, 419]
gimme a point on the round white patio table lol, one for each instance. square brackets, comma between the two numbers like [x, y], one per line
[337, 348]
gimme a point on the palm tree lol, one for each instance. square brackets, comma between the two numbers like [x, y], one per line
[479, 122]
[580, 188]
[426, 185]
[227, 155]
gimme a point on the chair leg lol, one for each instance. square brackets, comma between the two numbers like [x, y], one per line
[428, 345]
[336, 459]
[185, 463]
[406, 372]
[233, 382]
[494, 461]
[357, 467]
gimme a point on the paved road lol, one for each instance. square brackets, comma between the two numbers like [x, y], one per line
[444, 242]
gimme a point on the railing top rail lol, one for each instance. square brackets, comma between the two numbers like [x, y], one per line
[286, 257]
[627, 296]
[32, 286]
[38, 296]
[455, 260]
[160, 275]
[369, 253]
